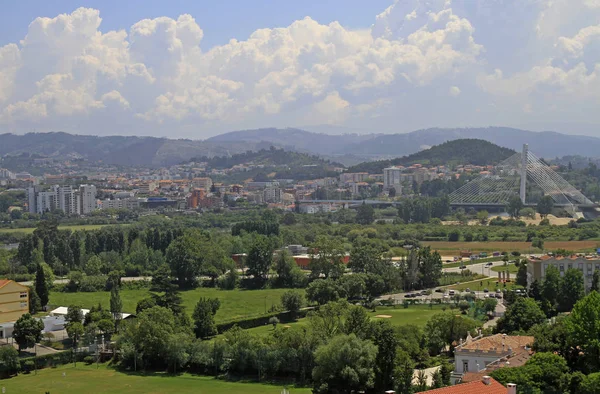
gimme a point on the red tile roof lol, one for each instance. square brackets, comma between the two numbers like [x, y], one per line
[4, 282]
[477, 387]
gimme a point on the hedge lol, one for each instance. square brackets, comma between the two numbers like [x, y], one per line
[52, 359]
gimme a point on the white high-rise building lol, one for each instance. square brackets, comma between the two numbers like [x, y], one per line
[72, 201]
[392, 178]
[87, 197]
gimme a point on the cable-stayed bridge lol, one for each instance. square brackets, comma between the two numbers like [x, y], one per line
[523, 175]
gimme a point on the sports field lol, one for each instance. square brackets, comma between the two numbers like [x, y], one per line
[235, 304]
[453, 248]
[88, 379]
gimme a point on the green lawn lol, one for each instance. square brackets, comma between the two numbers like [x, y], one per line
[235, 304]
[414, 314]
[88, 379]
[30, 230]
[513, 269]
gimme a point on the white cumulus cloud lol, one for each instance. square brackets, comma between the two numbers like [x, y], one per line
[69, 74]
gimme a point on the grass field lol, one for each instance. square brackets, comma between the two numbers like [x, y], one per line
[513, 269]
[235, 304]
[30, 230]
[88, 379]
[414, 314]
[454, 248]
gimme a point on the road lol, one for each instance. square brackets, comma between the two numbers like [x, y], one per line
[65, 281]
[478, 268]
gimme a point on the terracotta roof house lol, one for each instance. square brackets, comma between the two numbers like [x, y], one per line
[486, 385]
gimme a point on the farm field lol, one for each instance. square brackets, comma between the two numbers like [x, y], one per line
[235, 304]
[87, 227]
[88, 379]
[446, 248]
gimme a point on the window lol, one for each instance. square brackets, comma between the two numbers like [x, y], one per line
[569, 266]
[465, 366]
[562, 268]
[23, 305]
[23, 295]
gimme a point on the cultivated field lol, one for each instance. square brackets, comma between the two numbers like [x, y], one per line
[235, 304]
[453, 248]
[88, 379]
[30, 230]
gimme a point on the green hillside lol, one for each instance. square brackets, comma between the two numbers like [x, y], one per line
[463, 151]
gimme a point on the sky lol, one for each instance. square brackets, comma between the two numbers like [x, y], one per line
[194, 69]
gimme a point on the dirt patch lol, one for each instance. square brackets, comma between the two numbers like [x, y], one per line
[453, 248]
[553, 220]
[384, 316]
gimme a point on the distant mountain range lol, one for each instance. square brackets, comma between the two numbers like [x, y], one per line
[344, 148]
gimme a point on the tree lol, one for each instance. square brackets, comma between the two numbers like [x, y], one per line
[75, 330]
[444, 329]
[522, 274]
[204, 317]
[482, 217]
[326, 258]
[322, 291]
[596, 281]
[177, 351]
[514, 206]
[35, 305]
[74, 314]
[403, 372]
[9, 360]
[583, 330]
[274, 321]
[292, 301]
[384, 337]
[545, 206]
[489, 305]
[328, 320]
[288, 272]
[572, 289]
[590, 384]
[550, 293]
[430, 267]
[41, 286]
[521, 315]
[365, 214]
[116, 305]
[27, 331]
[343, 365]
[464, 306]
[184, 257]
[537, 243]
[260, 258]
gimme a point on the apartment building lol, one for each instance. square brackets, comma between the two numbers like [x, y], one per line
[537, 267]
[69, 199]
[272, 194]
[353, 177]
[202, 183]
[14, 301]
[6, 174]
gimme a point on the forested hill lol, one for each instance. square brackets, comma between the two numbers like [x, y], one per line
[267, 157]
[462, 151]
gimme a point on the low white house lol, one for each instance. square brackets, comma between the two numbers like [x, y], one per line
[475, 354]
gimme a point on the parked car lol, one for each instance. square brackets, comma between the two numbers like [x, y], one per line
[462, 267]
[468, 290]
[439, 290]
[451, 292]
[499, 296]
[498, 291]
[423, 292]
[486, 290]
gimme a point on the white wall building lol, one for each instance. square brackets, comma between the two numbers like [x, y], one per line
[87, 195]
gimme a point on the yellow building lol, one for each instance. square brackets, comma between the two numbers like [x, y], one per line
[14, 300]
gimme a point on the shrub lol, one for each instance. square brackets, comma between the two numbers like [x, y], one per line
[88, 360]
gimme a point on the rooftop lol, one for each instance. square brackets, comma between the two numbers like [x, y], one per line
[478, 387]
[498, 342]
